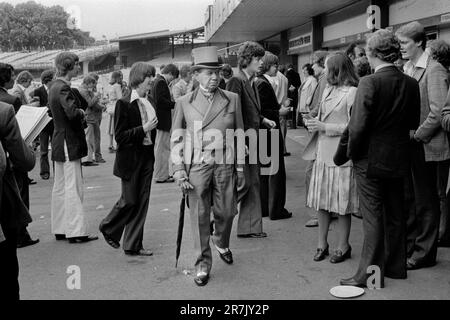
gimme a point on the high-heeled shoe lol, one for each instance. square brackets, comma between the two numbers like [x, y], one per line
[339, 256]
[321, 253]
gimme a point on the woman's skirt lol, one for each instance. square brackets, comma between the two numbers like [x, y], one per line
[333, 189]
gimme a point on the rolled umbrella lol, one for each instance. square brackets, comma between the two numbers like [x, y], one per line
[180, 228]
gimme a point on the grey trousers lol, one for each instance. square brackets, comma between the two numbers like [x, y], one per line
[93, 137]
[250, 211]
[162, 155]
[216, 182]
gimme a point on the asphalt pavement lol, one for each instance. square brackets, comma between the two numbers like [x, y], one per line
[277, 267]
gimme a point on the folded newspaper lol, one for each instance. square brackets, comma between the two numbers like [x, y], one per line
[32, 120]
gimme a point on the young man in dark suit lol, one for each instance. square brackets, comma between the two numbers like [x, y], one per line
[385, 112]
[250, 211]
[294, 84]
[14, 215]
[46, 135]
[164, 106]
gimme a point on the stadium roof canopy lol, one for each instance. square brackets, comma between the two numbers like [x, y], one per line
[158, 34]
[259, 20]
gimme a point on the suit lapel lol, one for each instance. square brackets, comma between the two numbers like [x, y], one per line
[418, 73]
[198, 101]
[334, 100]
[249, 89]
[218, 104]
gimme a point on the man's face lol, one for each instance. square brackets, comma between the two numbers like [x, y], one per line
[146, 85]
[358, 52]
[255, 65]
[272, 72]
[76, 69]
[208, 78]
[91, 86]
[305, 72]
[408, 47]
[26, 84]
[318, 70]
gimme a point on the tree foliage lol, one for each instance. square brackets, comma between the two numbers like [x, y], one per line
[30, 25]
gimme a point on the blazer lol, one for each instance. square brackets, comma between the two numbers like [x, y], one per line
[306, 94]
[129, 135]
[293, 80]
[13, 212]
[68, 119]
[163, 103]
[446, 114]
[224, 114]
[179, 89]
[386, 108]
[270, 108]
[335, 111]
[250, 103]
[18, 92]
[317, 94]
[41, 93]
[10, 99]
[434, 85]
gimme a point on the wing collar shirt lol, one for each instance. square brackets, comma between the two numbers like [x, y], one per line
[410, 68]
[147, 114]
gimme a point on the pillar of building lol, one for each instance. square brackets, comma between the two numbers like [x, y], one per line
[85, 68]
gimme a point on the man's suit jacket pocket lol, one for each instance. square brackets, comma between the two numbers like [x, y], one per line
[387, 160]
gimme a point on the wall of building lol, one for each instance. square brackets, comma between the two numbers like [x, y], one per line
[402, 11]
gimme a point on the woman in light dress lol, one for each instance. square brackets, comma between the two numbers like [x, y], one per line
[332, 189]
[114, 94]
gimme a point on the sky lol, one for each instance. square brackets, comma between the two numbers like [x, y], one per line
[112, 18]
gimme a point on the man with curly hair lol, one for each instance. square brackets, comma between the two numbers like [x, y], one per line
[250, 213]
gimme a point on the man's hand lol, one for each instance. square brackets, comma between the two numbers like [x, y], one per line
[150, 125]
[182, 180]
[292, 88]
[269, 123]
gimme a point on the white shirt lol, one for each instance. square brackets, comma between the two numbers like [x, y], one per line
[147, 114]
[421, 63]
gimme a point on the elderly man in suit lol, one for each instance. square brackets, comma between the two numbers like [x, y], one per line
[430, 147]
[135, 123]
[14, 214]
[385, 111]
[250, 212]
[45, 136]
[164, 106]
[205, 163]
[68, 147]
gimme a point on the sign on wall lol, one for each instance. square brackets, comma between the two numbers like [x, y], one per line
[300, 42]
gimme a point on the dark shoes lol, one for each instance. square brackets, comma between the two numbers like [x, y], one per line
[412, 264]
[27, 243]
[82, 239]
[352, 282]
[339, 256]
[284, 215]
[113, 243]
[89, 164]
[287, 154]
[201, 280]
[227, 257]
[60, 237]
[142, 252]
[45, 176]
[168, 180]
[253, 235]
[321, 254]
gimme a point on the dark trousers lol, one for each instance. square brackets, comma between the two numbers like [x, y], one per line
[128, 215]
[423, 227]
[9, 266]
[24, 188]
[44, 139]
[384, 224]
[273, 187]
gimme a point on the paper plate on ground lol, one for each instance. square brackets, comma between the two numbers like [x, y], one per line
[346, 292]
